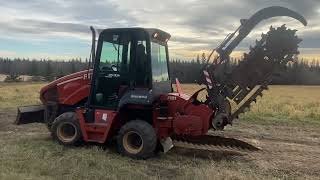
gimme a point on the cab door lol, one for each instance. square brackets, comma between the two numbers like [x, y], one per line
[112, 70]
[115, 70]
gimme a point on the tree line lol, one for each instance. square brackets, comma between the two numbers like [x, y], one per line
[301, 72]
[40, 70]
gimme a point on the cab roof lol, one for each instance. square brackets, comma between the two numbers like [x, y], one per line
[150, 31]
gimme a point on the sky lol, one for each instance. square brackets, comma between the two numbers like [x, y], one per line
[59, 29]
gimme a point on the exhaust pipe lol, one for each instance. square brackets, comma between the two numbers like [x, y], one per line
[93, 46]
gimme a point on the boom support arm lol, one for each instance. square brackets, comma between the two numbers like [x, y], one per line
[226, 48]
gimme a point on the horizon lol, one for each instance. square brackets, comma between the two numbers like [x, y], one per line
[31, 30]
[83, 59]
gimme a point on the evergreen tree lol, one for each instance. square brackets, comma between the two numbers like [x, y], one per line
[48, 72]
[198, 59]
[203, 58]
[34, 69]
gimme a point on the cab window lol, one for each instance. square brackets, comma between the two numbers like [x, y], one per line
[159, 62]
[115, 55]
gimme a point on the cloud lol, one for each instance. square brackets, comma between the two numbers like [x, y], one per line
[195, 25]
[7, 53]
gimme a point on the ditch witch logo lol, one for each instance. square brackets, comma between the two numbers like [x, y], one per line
[138, 96]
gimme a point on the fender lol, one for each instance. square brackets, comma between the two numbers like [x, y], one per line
[137, 96]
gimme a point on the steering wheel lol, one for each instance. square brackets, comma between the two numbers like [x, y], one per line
[107, 68]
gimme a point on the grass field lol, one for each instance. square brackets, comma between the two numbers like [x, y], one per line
[285, 124]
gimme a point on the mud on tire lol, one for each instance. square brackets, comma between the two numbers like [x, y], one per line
[66, 129]
[137, 139]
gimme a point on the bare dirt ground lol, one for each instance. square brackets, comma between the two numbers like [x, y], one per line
[290, 149]
[23, 77]
[2, 77]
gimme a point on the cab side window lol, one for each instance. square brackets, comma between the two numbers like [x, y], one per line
[115, 54]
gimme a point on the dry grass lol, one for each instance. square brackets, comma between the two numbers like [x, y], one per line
[19, 94]
[285, 124]
[282, 104]
[295, 103]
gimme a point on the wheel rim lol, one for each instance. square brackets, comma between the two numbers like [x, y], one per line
[67, 132]
[132, 142]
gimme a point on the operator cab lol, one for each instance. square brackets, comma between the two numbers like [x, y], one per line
[130, 67]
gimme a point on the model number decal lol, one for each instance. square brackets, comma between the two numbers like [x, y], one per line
[87, 76]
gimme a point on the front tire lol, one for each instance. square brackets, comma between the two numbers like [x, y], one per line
[137, 139]
[66, 129]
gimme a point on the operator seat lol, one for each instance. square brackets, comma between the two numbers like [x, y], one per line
[141, 65]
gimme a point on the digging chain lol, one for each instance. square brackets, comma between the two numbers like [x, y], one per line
[273, 51]
[253, 98]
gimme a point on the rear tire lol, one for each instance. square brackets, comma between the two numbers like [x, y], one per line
[66, 129]
[137, 139]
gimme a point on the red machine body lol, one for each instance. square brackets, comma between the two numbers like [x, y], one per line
[68, 90]
[183, 116]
